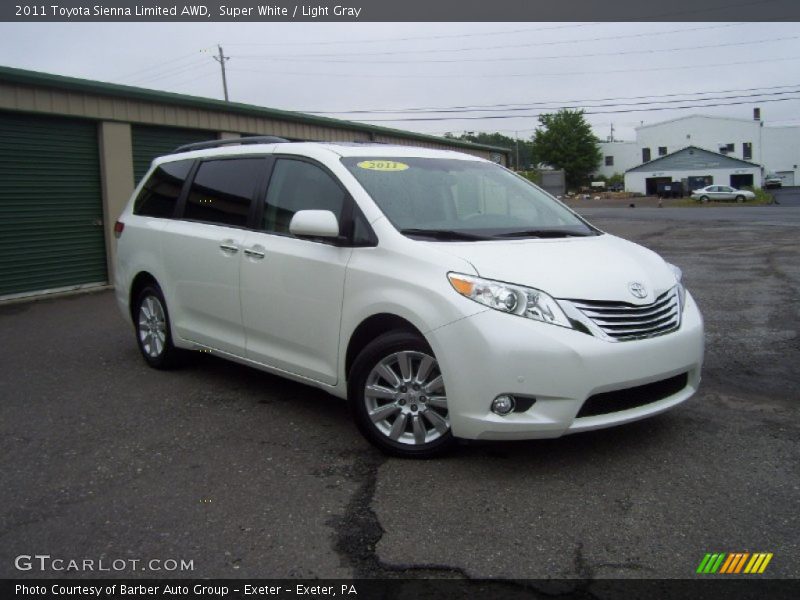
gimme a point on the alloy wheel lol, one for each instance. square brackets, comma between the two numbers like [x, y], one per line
[406, 400]
[152, 326]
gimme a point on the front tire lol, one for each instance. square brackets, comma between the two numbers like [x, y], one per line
[153, 335]
[704, 199]
[398, 398]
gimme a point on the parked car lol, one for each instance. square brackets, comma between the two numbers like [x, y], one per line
[772, 181]
[722, 193]
[444, 296]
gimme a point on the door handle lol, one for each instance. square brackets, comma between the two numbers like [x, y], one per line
[229, 246]
[256, 252]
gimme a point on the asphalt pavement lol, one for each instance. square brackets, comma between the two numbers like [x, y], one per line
[249, 475]
[787, 196]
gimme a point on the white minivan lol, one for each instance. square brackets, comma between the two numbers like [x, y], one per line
[444, 296]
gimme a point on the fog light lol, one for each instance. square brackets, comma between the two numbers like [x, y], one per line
[502, 405]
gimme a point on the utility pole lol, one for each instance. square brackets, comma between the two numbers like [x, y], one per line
[516, 138]
[221, 60]
[612, 133]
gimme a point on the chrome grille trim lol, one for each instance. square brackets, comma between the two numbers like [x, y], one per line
[621, 321]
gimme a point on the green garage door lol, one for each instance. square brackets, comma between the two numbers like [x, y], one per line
[150, 142]
[51, 209]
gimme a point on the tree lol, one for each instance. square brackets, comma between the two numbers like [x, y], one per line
[521, 146]
[565, 141]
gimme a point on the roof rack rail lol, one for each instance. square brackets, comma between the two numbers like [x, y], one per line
[256, 139]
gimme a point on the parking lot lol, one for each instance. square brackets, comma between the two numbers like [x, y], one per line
[249, 475]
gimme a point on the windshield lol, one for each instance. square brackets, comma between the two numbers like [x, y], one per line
[452, 199]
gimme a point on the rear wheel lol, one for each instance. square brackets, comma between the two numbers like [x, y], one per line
[153, 329]
[398, 398]
[739, 199]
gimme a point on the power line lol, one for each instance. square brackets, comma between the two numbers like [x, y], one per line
[605, 112]
[179, 70]
[291, 58]
[647, 103]
[507, 46]
[655, 18]
[473, 75]
[542, 104]
[136, 74]
[415, 38]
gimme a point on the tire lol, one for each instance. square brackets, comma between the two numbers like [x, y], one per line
[703, 199]
[153, 334]
[739, 199]
[397, 377]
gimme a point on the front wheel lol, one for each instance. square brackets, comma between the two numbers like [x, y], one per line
[153, 329]
[398, 398]
[704, 199]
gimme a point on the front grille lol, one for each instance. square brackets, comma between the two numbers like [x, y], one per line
[622, 321]
[611, 402]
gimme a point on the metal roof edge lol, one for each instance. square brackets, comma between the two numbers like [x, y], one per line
[26, 77]
[696, 116]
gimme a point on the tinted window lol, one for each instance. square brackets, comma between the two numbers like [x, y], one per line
[222, 191]
[162, 190]
[297, 185]
[362, 233]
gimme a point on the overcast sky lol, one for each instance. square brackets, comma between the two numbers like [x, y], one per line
[335, 67]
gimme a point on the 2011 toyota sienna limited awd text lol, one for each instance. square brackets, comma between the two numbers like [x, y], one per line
[441, 294]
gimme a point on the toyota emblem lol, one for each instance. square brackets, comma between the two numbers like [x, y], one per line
[637, 289]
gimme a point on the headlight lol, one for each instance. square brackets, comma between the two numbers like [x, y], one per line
[508, 298]
[678, 279]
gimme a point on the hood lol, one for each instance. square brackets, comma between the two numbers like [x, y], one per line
[590, 268]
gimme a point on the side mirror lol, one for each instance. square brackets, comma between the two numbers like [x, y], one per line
[314, 223]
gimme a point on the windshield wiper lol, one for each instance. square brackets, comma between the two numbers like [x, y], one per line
[444, 234]
[543, 233]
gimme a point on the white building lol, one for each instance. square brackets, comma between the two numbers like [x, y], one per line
[694, 168]
[775, 149]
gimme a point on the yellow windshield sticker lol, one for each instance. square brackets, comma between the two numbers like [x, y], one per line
[382, 165]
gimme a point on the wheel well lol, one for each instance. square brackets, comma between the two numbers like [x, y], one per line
[139, 282]
[371, 328]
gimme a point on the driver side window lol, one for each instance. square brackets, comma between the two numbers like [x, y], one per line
[299, 185]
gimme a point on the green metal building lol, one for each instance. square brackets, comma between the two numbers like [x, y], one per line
[72, 150]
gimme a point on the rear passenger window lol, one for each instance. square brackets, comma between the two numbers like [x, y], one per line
[161, 192]
[222, 191]
[298, 185]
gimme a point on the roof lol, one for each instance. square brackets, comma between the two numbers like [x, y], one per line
[37, 78]
[319, 149]
[692, 158]
[696, 116]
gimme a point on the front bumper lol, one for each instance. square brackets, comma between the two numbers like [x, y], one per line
[492, 353]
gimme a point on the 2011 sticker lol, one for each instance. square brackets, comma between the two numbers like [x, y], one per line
[382, 165]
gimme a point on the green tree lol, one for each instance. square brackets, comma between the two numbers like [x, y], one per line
[565, 140]
[521, 146]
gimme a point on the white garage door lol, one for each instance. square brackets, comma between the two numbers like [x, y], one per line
[787, 177]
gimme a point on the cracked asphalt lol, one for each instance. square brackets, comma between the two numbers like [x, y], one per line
[248, 475]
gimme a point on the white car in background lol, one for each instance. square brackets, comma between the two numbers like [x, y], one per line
[441, 294]
[722, 193]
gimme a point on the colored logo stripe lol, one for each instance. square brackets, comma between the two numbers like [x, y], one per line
[758, 563]
[710, 563]
[734, 562]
